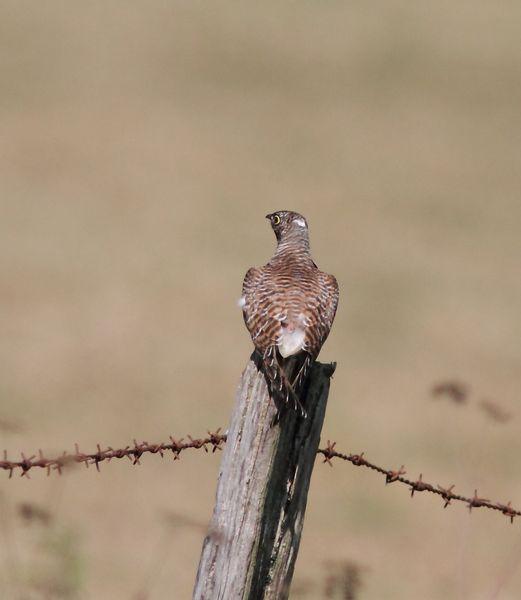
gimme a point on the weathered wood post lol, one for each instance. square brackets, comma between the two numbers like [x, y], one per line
[254, 535]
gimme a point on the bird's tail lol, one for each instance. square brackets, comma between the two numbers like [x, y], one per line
[286, 378]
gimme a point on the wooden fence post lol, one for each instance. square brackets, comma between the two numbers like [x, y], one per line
[252, 543]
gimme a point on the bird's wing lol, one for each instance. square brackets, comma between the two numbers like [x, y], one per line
[322, 312]
[259, 308]
[263, 311]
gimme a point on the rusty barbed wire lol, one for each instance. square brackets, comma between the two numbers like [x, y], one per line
[419, 485]
[454, 390]
[215, 440]
[458, 393]
[133, 453]
[494, 411]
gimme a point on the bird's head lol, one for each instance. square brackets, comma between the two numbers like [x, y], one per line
[286, 223]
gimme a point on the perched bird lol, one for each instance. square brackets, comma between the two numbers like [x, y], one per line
[288, 307]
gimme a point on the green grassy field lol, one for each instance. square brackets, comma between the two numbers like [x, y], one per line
[141, 146]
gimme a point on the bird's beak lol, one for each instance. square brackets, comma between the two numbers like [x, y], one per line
[269, 216]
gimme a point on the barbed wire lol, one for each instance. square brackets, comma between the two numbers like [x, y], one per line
[133, 453]
[419, 485]
[214, 441]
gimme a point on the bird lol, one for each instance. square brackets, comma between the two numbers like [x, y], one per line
[288, 306]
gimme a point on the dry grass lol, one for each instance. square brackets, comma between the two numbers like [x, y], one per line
[141, 146]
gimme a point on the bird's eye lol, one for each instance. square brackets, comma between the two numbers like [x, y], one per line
[276, 220]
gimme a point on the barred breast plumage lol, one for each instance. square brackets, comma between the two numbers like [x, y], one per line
[289, 305]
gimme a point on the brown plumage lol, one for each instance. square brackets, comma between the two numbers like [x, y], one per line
[288, 307]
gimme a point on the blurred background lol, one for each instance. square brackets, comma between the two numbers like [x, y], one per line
[141, 146]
